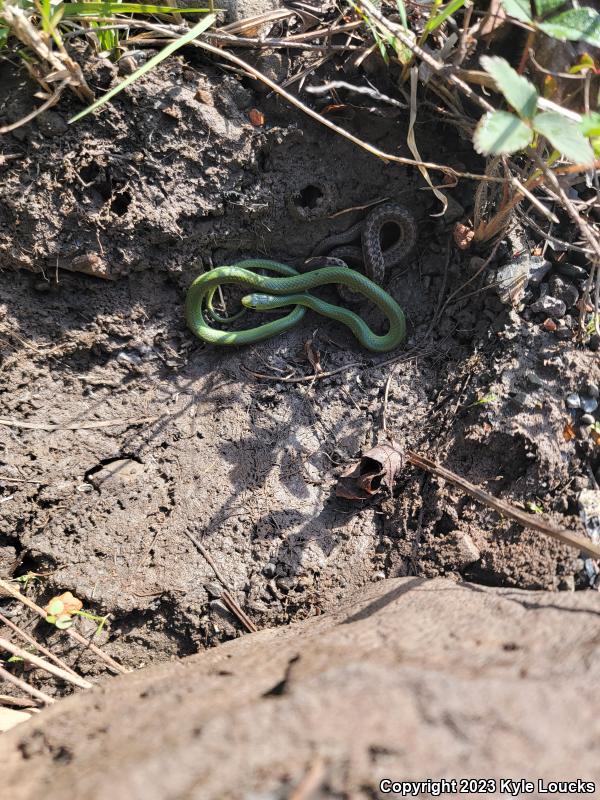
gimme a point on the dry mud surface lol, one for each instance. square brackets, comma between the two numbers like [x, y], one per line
[417, 679]
[122, 434]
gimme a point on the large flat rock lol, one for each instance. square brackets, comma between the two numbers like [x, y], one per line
[418, 679]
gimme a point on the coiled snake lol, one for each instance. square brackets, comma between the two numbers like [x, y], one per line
[292, 289]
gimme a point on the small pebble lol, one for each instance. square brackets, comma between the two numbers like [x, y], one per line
[572, 271]
[593, 390]
[588, 419]
[589, 404]
[549, 305]
[594, 343]
[563, 290]
[567, 584]
[269, 570]
[573, 400]
[549, 324]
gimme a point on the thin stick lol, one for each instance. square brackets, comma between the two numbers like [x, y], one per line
[30, 640]
[531, 521]
[58, 672]
[224, 54]
[437, 66]
[226, 595]
[75, 426]
[25, 687]
[51, 101]
[114, 665]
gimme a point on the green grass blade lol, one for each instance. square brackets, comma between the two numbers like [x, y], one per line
[436, 21]
[166, 51]
[109, 9]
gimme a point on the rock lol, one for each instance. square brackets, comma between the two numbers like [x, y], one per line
[594, 344]
[274, 65]
[416, 678]
[573, 400]
[468, 550]
[549, 305]
[563, 290]
[513, 278]
[572, 271]
[240, 9]
[588, 404]
[269, 570]
[567, 583]
[593, 390]
[588, 419]
[50, 123]
[589, 511]
[454, 210]
[122, 470]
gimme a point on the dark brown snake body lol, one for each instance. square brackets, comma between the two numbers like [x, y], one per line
[375, 259]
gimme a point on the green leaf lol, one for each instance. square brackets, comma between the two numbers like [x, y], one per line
[3, 36]
[109, 9]
[402, 13]
[590, 124]
[519, 9]
[565, 135]
[545, 7]
[435, 22]
[575, 25]
[63, 622]
[499, 132]
[518, 91]
[160, 56]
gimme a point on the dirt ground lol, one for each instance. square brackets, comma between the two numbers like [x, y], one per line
[121, 433]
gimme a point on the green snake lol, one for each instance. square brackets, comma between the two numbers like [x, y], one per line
[290, 290]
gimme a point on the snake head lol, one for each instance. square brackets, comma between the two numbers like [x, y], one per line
[258, 301]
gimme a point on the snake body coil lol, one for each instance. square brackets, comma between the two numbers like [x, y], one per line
[290, 290]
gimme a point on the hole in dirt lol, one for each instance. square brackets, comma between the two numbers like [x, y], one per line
[106, 461]
[89, 173]
[308, 197]
[120, 203]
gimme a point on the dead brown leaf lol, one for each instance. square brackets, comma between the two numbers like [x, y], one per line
[463, 235]
[569, 432]
[313, 356]
[376, 469]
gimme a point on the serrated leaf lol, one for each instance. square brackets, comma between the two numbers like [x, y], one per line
[435, 22]
[152, 62]
[575, 25]
[590, 124]
[499, 132]
[565, 136]
[518, 91]
[519, 9]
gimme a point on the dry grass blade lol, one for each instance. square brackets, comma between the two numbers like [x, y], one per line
[21, 26]
[25, 687]
[110, 662]
[30, 640]
[226, 596]
[30, 658]
[36, 112]
[75, 426]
